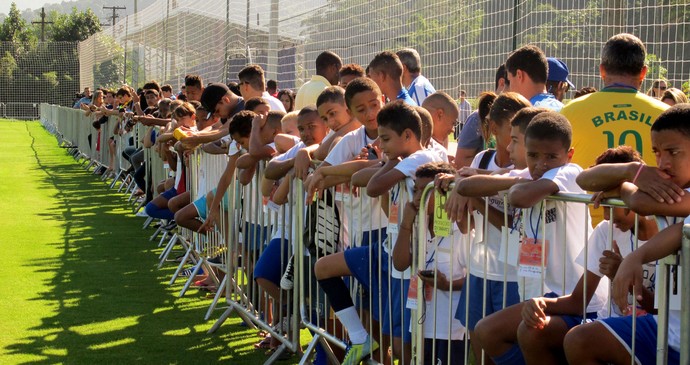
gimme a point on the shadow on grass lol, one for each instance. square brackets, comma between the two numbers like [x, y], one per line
[111, 303]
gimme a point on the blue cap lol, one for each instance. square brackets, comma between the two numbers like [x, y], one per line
[558, 71]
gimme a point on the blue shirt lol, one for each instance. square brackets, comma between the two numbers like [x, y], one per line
[404, 96]
[546, 100]
[420, 88]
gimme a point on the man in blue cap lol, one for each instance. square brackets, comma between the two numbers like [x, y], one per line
[557, 82]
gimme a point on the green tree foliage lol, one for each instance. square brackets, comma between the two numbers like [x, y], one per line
[14, 29]
[74, 27]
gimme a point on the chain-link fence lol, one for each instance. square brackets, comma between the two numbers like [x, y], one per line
[31, 73]
[461, 43]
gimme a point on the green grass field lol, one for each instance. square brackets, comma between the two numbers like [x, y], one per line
[79, 278]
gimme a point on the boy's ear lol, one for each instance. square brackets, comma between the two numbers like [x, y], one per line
[571, 152]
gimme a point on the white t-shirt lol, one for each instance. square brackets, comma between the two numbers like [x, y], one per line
[598, 242]
[252, 198]
[273, 102]
[442, 253]
[438, 148]
[279, 209]
[408, 166]
[363, 213]
[558, 223]
[489, 246]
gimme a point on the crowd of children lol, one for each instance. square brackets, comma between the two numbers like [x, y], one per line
[518, 278]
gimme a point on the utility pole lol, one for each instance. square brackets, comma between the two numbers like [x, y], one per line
[43, 23]
[114, 16]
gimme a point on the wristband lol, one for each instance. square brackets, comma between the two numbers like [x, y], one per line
[637, 174]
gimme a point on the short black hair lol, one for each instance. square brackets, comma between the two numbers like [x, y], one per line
[193, 80]
[254, 75]
[399, 116]
[500, 74]
[674, 118]
[309, 109]
[623, 54]
[620, 154]
[274, 117]
[152, 85]
[505, 106]
[550, 126]
[272, 84]
[388, 63]
[252, 103]
[359, 85]
[524, 116]
[241, 123]
[326, 59]
[431, 169]
[166, 87]
[352, 69]
[531, 60]
[332, 94]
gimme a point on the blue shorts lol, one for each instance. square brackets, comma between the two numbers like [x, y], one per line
[254, 236]
[369, 265]
[494, 299]
[273, 261]
[170, 193]
[645, 338]
[572, 321]
[201, 205]
[456, 347]
[397, 318]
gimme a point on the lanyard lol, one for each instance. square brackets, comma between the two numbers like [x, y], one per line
[531, 226]
[395, 193]
[517, 216]
[433, 253]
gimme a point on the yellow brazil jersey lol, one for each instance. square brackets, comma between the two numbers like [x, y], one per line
[610, 118]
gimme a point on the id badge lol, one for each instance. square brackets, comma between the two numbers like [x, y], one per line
[442, 224]
[393, 211]
[478, 227]
[530, 257]
[412, 294]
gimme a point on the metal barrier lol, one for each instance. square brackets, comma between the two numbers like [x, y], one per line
[247, 210]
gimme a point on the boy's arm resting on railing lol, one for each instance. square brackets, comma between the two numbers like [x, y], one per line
[282, 193]
[486, 185]
[649, 179]
[530, 193]
[384, 179]
[642, 203]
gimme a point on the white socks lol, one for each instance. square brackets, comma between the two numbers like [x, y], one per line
[350, 320]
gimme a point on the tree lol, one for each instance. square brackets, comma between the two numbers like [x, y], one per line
[14, 29]
[74, 27]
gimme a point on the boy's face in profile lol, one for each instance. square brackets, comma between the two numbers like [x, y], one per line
[262, 109]
[544, 155]
[334, 114]
[186, 121]
[419, 184]
[672, 151]
[193, 93]
[516, 148]
[365, 106]
[243, 141]
[311, 128]
[622, 218]
[392, 143]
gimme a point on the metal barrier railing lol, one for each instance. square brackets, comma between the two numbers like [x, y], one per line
[249, 300]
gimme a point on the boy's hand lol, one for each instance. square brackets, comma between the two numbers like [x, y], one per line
[302, 164]
[467, 172]
[608, 264]
[209, 223]
[442, 182]
[658, 185]
[533, 313]
[442, 282]
[314, 184]
[603, 195]
[259, 120]
[629, 275]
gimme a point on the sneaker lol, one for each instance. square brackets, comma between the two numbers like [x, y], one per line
[287, 281]
[360, 352]
[142, 213]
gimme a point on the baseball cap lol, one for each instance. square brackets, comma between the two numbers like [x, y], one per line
[212, 95]
[558, 71]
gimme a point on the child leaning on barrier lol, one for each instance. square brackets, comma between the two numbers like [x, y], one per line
[541, 252]
[444, 269]
[546, 320]
[662, 191]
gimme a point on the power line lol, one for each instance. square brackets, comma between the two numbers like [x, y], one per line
[43, 23]
[114, 16]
